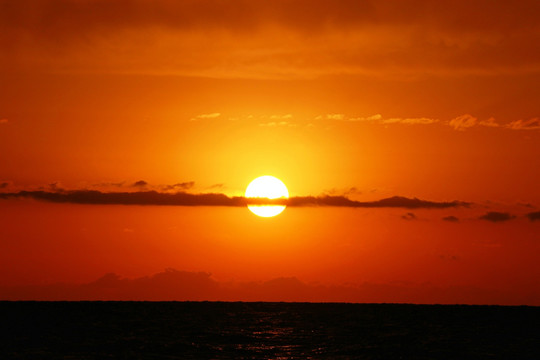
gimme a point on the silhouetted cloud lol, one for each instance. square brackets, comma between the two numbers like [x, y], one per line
[109, 184]
[215, 199]
[451, 218]
[181, 186]
[495, 216]
[55, 186]
[140, 183]
[534, 216]
[216, 186]
[198, 286]
[4, 185]
[395, 201]
[409, 216]
[342, 192]
[130, 198]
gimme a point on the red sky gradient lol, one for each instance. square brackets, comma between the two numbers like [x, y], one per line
[360, 100]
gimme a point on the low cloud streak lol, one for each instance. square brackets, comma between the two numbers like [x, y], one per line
[218, 199]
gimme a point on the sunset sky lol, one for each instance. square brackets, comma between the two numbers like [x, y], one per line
[129, 131]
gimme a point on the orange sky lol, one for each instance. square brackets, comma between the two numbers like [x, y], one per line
[359, 99]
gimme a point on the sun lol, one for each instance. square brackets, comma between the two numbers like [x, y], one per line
[267, 187]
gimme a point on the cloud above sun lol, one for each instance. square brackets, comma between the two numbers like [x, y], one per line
[210, 37]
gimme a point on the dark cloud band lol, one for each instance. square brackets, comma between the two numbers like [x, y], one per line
[216, 199]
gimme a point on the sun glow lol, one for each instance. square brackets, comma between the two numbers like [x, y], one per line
[267, 187]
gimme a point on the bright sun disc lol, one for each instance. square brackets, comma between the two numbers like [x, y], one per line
[267, 187]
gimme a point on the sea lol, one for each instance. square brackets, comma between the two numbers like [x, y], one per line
[263, 330]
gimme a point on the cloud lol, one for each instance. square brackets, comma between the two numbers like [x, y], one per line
[379, 118]
[409, 216]
[175, 285]
[331, 117]
[129, 198]
[369, 118]
[460, 123]
[180, 186]
[534, 216]
[392, 202]
[343, 192]
[235, 38]
[109, 184]
[140, 183]
[55, 186]
[216, 199]
[4, 184]
[467, 121]
[463, 122]
[450, 218]
[410, 121]
[281, 117]
[276, 124]
[495, 216]
[489, 123]
[217, 186]
[206, 116]
[531, 124]
[4, 121]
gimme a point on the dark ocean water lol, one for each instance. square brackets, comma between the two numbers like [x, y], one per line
[216, 330]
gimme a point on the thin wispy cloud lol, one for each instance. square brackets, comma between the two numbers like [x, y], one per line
[368, 118]
[489, 123]
[378, 118]
[467, 121]
[531, 124]
[331, 117]
[206, 116]
[410, 121]
[459, 123]
[281, 117]
[276, 124]
[463, 122]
